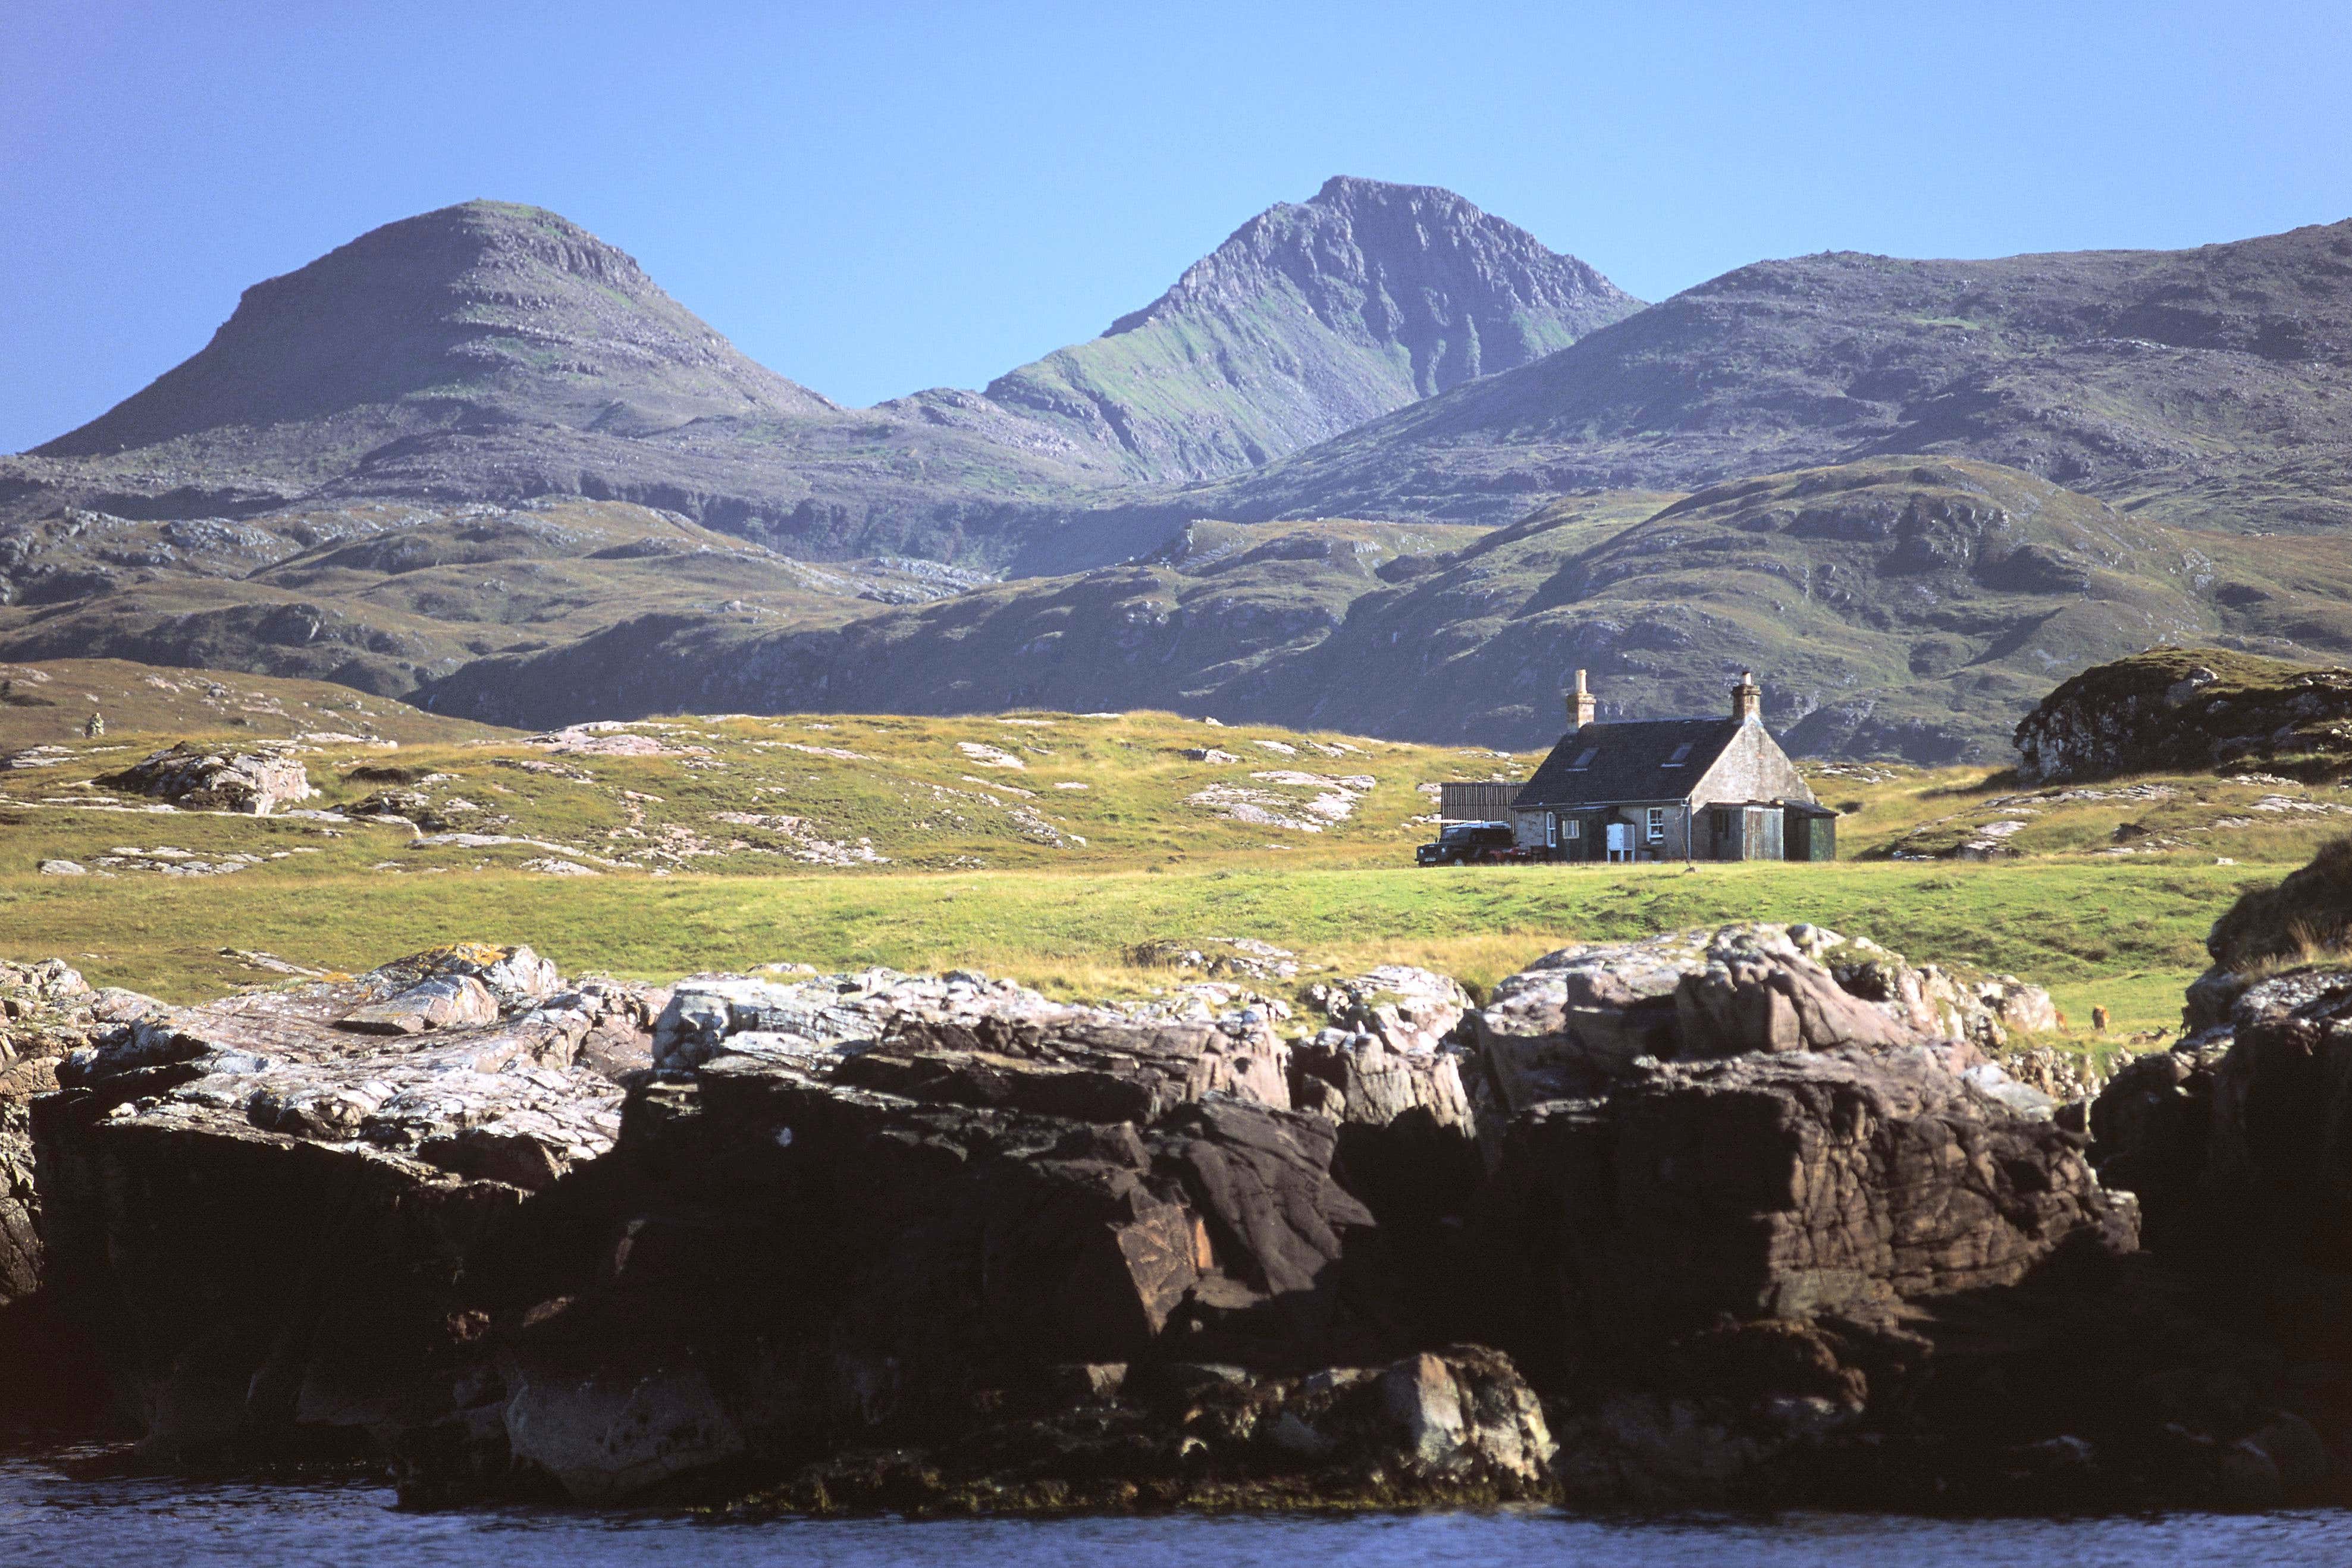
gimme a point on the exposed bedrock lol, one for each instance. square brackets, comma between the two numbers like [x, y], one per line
[192, 777]
[1737, 1216]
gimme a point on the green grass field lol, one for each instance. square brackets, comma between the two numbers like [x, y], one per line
[748, 841]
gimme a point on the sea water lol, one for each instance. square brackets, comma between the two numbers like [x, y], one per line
[79, 1506]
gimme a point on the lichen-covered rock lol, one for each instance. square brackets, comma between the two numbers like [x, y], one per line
[1407, 1009]
[189, 776]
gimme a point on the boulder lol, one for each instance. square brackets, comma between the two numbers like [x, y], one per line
[1407, 1009]
[187, 776]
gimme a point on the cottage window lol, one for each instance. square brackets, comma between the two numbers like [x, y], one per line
[1551, 829]
[1658, 824]
[1682, 756]
[1583, 759]
[1572, 830]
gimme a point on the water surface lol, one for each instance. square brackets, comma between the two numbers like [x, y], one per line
[73, 1507]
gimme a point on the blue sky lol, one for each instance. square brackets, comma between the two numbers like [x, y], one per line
[876, 197]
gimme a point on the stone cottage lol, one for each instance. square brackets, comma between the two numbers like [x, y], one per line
[1670, 789]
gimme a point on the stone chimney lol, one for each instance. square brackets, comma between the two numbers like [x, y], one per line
[1747, 698]
[1582, 704]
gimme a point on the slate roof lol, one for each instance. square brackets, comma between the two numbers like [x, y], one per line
[1629, 762]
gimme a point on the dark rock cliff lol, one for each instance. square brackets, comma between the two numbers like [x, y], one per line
[1701, 1220]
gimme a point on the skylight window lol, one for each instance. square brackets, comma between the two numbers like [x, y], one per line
[1682, 754]
[1583, 759]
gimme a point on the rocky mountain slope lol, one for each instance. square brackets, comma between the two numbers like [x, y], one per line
[2209, 387]
[1312, 318]
[1893, 608]
[483, 314]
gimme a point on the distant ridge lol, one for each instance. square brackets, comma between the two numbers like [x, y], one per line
[2212, 387]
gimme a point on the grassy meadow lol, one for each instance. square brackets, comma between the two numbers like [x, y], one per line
[1048, 847]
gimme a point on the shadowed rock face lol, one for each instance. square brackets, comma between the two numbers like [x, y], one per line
[263, 1215]
[48, 1380]
[1791, 1185]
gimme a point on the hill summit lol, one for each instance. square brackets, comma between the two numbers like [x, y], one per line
[484, 313]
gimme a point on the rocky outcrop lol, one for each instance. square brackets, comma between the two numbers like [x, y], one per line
[1736, 1217]
[2235, 1139]
[1848, 1180]
[47, 1009]
[2302, 918]
[197, 780]
[2234, 1142]
[1581, 1018]
[854, 1203]
[2188, 710]
[265, 1213]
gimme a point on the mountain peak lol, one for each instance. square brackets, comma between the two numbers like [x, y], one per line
[1312, 318]
[484, 310]
[1344, 189]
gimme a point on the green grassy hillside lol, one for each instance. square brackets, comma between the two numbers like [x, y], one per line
[383, 596]
[52, 703]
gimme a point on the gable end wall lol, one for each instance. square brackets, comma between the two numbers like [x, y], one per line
[1753, 767]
